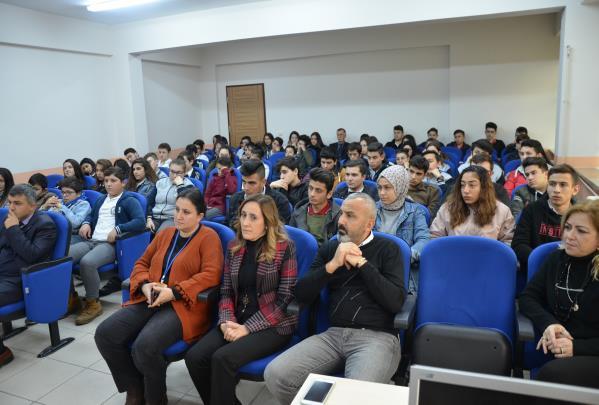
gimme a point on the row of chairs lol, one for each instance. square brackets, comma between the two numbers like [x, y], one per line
[54, 179]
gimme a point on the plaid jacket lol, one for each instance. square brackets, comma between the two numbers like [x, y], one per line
[275, 283]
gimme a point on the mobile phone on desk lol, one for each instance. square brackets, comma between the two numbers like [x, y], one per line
[318, 393]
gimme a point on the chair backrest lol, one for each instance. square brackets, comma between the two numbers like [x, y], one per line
[197, 183]
[270, 169]
[453, 170]
[202, 173]
[165, 170]
[516, 189]
[275, 157]
[3, 214]
[454, 154]
[91, 196]
[89, 181]
[512, 165]
[338, 201]
[53, 179]
[477, 290]
[538, 256]
[406, 254]
[340, 185]
[142, 200]
[63, 235]
[389, 153]
[55, 191]
[225, 233]
[370, 183]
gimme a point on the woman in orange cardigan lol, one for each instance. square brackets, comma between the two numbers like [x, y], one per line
[180, 262]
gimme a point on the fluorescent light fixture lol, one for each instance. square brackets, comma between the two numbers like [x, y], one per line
[114, 4]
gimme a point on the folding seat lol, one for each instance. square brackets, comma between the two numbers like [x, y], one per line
[53, 179]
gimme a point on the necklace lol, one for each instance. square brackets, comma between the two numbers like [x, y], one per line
[575, 306]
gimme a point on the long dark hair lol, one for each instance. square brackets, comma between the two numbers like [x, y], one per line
[150, 174]
[485, 206]
[9, 181]
[319, 143]
[76, 167]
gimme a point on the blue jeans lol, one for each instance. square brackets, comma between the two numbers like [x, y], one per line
[364, 354]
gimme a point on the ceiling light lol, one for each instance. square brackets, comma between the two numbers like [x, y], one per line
[114, 4]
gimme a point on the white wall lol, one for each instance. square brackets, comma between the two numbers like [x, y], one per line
[172, 102]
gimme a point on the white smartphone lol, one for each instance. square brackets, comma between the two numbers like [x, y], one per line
[318, 393]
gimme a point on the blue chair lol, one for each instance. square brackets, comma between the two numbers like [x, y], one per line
[516, 189]
[270, 170]
[209, 154]
[370, 183]
[512, 165]
[338, 201]
[453, 153]
[53, 179]
[197, 183]
[56, 192]
[275, 157]
[467, 304]
[91, 196]
[89, 181]
[389, 153]
[453, 170]
[202, 174]
[46, 288]
[165, 170]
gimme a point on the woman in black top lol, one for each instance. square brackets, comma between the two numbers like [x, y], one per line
[562, 301]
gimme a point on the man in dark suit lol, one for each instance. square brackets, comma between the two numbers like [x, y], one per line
[340, 147]
[26, 237]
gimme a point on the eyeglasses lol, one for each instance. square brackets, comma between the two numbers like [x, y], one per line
[68, 192]
[176, 173]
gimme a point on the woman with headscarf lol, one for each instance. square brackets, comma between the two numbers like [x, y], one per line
[398, 216]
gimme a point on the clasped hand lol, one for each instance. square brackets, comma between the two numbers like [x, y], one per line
[233, 331]
[557, 340]
[348, 254]
[165, 294]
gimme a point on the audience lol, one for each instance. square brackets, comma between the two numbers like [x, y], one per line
[540, 221]
[88, 167]
[258, 283]
[361, 342]
[398, 216]
[491, 135]
[221, 185]
[355, 174]
[328, 162]
[339, 148]
[266, 145]
[124, 166]
[101, 165]
[528, 148]
[293, 139]
[152, 159]
[258, 154]
[277, 145]
[39, 183]
[436, 146]
[376, 160]
[402, 158]
[71, 168]
[164, 150]
[483, 146]
[432, 135]
[163, 308]
[188, 159]
[536, 172]
[511, 150]
[397, 138]
[421, 192]
[27, 237]
[459, 141]
[290, 151]
[289, 183]
[201, 157]
[6, 183]
[561, 300]
[142, 180]
[317, 144]
[434, 175]
[130, 155]
[485, 161]
[318, 215]
[472, 209]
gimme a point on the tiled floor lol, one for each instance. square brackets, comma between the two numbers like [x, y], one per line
[77, 374]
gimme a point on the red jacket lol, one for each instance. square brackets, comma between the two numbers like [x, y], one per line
[514, 179]
[218, 189]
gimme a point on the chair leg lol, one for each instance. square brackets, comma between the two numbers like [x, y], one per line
[55, 342]
[9, 331]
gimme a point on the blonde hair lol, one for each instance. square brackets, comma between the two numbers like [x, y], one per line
[591, 208]
[275, 229]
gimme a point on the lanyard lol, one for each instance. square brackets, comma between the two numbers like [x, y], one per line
[169, 261]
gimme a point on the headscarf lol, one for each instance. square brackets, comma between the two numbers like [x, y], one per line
[399, 178]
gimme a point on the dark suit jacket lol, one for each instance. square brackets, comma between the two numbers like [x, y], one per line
[340, 150]
[23, 246]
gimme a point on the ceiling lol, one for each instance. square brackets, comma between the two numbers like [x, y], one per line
[160, 8]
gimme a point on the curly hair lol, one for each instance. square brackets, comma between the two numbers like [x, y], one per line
[484, 208]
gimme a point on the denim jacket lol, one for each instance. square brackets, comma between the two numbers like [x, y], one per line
[148, 190]
[76, 211]
[412, 227]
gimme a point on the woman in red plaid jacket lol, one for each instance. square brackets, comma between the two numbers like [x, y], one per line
[258, 284]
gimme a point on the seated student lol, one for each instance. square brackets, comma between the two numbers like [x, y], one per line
[512, 149]
[561, 300]
[101, 165]
[189, 159]
[398, 216]
[124, 166]
[355, 174]
[142, 180]
[328, 162]
[434, 175]
[483, 146]
[200, 156]
[152, 159]
[317, 144]
[130, 155]
[258, 154]
[364, 148]
[402, 158]
[361, 342]
[304, 156]
[472, 209]
[259, 278]
[459, 141]
[73, 205]
[221, 185]
[293, 139]
[39, 183]
[420, 191]
[318, 215]
[88, 167]
[164, 150]
[277, 145]
[6, 183]
[163, 206]
[431, 135]
[254, 182]
[71, 168]
[339, 148]
[485, 161]
[163, 308]
[27, 237]
[409, 144]
[354, 152]
[266, 144]
[289, 183]
[377, 160]
[491, 135]
[435, 146]
[290, 151]
[222, 152]
[536, 172]
[540, 221]
[242, 144]
[515, 178]
[397, 138]
[247, 152]
[112, 215]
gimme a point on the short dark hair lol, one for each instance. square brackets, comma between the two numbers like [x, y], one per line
[89, 161]
[280, 140]
[522, 130]
[116, 172]
[39, 180]
[304, 138]
[121, 164]
[484, 145]
[188, 154]
[292, 147]
[72, 183]
[192, 148]
[178, 162]
[533, 143]
[195, 197]
[481, 158]
[166, 146]
[458, 131]
[491, 125]
[356, 163]
[535, 161]
[105, 163]
[354, 146]
[327, 153]
[26, 190]
[257, 150]
[398, 128]
[323, 176]
[253, 166]
[224, 161]
[246, 138]
[419, 163]
[364, 137]
[199, 143]
[372, 139]
[433, 129]
[151, 155]
[431, 152]
[288, 162]
[129, 150]
[521, 137]
[341, 129]
[376, 147]
[565, 168]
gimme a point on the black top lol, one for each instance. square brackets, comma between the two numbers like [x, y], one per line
[247, 297]
[181, 241]
[367, 297]
[546, 304]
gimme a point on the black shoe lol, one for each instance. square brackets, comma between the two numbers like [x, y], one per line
[113, 285]
[6, 357]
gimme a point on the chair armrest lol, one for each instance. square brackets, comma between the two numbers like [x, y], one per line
[127, 235]
[405, 317]
[44, 265]
[126, 284]
[209, 295]
[293, 308]
[526, 330]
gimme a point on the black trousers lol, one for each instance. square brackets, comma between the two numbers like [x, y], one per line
[10, 292]
[577, 370]
[213, 362]
[141, 366]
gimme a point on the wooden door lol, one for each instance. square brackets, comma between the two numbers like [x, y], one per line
[246, 112]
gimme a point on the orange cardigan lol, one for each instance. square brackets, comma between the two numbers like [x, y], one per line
[198, 267]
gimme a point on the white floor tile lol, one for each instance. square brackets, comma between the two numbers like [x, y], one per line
[21, 361]
[178, 379]
[189, 400]
[42, 377]
[248, 390]
[119, 398]
[82, 352]
[87, 388]
[101, 366]
[263, 398]
[37, 337]
[6, 399]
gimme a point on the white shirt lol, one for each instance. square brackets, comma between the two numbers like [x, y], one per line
[166, 163]
[106, 218]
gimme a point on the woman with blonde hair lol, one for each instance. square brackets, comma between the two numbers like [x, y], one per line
[472, 209]
[258, 283]
[562, 300]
